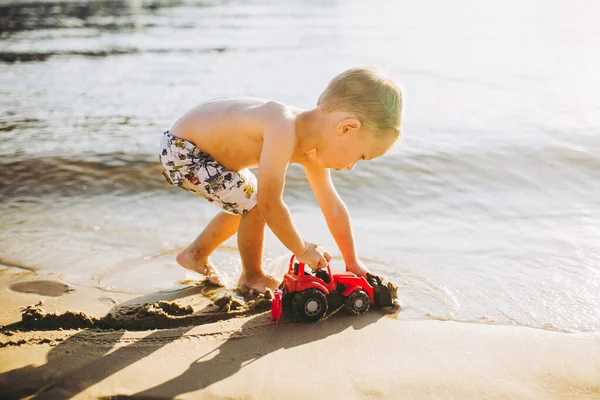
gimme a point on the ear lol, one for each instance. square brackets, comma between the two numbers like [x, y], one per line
[348, 125]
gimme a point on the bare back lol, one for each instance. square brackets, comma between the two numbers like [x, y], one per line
[231, 130]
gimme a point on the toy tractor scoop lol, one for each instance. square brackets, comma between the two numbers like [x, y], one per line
[382, 293]
[312, 293]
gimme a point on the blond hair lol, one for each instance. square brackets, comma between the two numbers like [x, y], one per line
[375, 99]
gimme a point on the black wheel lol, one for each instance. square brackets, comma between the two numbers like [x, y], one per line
[310, 305]
[358, 302]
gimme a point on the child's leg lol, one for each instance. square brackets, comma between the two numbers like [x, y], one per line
[195, 256]
[251, 236]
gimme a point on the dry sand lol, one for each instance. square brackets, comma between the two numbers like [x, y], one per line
[371, 356]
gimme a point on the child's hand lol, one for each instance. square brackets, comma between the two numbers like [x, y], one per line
[315, 256]
[356, 266]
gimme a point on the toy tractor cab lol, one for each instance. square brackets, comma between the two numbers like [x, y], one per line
[312, 293]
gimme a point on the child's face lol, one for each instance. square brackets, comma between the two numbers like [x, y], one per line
[344, 150]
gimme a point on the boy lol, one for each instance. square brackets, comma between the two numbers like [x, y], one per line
[209, 150]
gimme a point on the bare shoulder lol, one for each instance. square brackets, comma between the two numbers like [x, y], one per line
[276, 112]
[279, 120]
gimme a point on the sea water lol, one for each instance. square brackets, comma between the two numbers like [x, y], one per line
[488, 210]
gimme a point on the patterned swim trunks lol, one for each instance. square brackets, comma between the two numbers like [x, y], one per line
[187, 166]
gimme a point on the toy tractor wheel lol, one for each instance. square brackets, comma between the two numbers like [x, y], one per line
[310, 305]
[358, 302]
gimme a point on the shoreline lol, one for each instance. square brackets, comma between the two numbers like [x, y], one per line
[243, 357]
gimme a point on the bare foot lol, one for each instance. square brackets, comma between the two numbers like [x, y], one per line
[259, 283]
[202, 266]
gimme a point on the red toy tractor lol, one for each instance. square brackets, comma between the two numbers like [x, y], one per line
[311, 293]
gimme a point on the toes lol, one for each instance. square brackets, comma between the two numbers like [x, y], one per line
[260, 284]
[215, 280]
[212, 275]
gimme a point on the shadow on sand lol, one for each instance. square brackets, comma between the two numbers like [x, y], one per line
[91, 356]
[235, 354]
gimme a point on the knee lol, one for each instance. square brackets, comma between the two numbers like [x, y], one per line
[254, 216]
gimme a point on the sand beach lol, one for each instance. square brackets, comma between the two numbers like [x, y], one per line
[369, 356]
[486, 215]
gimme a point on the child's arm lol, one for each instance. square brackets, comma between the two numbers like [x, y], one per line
[277, 150]
[335, 213]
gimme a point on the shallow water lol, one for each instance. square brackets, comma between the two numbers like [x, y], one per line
[487, 211]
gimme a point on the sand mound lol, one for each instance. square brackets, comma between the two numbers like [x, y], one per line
[159, 315]
[35, 318]
[152, 313]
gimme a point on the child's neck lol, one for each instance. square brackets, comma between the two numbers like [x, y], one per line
[310, 126]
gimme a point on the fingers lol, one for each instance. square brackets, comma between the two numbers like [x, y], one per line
[316, 257]
[314, 264]
[322, 263]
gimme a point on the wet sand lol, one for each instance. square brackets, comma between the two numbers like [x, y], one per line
[241, 356]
